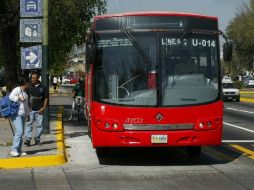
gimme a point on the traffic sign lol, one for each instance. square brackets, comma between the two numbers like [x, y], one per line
[31, 8]
[31, 57]
[31, 30]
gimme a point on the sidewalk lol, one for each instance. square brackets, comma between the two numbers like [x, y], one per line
[50, 153]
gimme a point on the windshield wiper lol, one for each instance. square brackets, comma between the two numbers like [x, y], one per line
[175, 80]
[136, 45]
[187, 33]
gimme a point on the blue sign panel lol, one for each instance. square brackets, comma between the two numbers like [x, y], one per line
[31, 30]
[31, 57]
[31, 8]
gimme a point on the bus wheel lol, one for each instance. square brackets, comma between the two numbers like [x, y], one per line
[194, 151]
[102, 152]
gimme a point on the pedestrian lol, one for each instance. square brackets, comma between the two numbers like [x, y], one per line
[19, 94]
[55, 82]
[38, 101]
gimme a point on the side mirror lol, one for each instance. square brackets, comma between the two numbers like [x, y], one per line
[227, 51]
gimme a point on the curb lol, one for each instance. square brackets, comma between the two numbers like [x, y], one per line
[41, 161]
[248, 100]
[246, 92]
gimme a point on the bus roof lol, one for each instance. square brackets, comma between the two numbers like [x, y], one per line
[155, 13]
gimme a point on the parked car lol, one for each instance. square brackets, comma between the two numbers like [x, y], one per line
[230, 92]
[227, 78]
[249, 82]
[74, 80]
[66, 81]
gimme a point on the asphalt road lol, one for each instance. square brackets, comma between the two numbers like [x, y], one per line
[230, 166]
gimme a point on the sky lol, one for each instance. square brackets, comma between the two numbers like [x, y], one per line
[225, 10]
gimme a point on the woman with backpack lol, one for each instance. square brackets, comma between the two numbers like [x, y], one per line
[19, 94]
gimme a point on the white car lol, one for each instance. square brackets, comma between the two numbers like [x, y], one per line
[230, 92]
[227, 79]
[249, 82]
[65, 81]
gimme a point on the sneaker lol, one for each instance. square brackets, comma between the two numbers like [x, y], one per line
[27, 143]
[23, 154]
[38, 142]
[14, 153]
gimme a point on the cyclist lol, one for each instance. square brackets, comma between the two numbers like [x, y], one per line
[78, 94]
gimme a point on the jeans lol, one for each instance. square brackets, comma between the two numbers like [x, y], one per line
[19, 124]
[35, 118]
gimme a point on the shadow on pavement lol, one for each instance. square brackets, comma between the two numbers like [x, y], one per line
[169, 156]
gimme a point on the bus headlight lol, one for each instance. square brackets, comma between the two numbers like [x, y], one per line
[107, 124]
[208, 124]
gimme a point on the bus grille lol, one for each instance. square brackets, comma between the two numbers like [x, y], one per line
[154, 127]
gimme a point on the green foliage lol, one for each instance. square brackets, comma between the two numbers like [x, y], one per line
[68, 24]
[9, 40]
[241, 31]
[238, 84]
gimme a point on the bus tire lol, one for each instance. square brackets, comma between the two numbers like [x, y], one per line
[194, 151]
[102, 152]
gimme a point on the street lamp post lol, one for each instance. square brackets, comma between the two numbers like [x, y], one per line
[45, 76]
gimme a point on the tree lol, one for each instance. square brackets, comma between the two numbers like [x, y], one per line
[241, 31]
[9, 45]
[68, 23]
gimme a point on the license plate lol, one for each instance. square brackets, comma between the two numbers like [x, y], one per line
[230, 98]
[159, 139]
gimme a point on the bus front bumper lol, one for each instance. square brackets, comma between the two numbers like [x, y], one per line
[156, 138]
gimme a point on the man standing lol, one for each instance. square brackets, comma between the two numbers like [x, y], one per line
[39, 97]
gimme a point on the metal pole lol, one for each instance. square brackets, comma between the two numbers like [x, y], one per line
[45, 74]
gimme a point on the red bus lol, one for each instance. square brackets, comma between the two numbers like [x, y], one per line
[153, 80]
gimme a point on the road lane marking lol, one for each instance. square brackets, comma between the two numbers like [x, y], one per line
[239, 110]
[238, 141]
[235, 126]
[248, 153]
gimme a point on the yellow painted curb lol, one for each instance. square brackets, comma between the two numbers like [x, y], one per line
[31, 162]
[40, 161]
[249, 100]
[246, 92]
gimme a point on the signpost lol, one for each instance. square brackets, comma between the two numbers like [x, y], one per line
[31, 57]
[35, 57]
[31, 30]
[31, 8]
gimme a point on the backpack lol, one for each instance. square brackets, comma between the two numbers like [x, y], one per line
[7, 107]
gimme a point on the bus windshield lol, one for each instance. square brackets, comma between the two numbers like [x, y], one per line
[180, 71]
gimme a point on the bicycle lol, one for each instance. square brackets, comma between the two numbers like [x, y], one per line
[78, 108]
